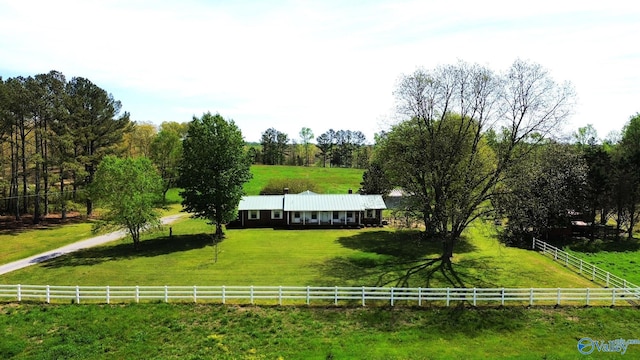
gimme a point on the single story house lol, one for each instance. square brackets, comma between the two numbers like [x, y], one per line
[309, 209]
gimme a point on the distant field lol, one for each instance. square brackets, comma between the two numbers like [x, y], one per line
[329, 180]
[293, 257]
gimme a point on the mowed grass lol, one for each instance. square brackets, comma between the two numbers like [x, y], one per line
[620, 257]
[329, 180]
[343, 257]
[188, 331]
[20, 244]
[16, 245]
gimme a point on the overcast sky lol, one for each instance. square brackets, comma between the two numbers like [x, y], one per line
[318, 64]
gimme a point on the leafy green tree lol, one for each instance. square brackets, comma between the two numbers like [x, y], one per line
[166, 153]
[213, 170]
[325, 143]
[542, 192]
[274, 147]
[626, 176]
[130, 189]
[374, 180]
[306, 135]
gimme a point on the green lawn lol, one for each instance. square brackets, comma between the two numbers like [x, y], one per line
[188, 331]
[620, 257]
[329, 180]
[20, 244]
[370, 256]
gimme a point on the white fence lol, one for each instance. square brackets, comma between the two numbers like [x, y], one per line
[291, 295]
[582, 267]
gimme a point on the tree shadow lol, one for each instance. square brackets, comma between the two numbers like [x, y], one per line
[148, 248]
[10, 226]
[448, 323]
[400, 258]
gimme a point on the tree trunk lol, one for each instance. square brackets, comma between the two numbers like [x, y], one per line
[63, 202]
[219, 232]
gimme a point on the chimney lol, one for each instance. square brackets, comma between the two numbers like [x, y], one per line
[285, 190]
[350, 191]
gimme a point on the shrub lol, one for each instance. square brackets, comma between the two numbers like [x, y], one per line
[295, 186]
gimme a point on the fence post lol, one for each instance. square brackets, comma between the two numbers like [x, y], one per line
[19, 292]
[558, 297]
[593, 273]
[531, 297]
[533, 244]
[308, 294]
[363, 296]
[555, 256]
[195, 294]
[335, 296]
[624, 283]
[392, 296]
[502, 297]
[280, 295]
[107, 291]
[474, 296]
[224, 298]
[419, 296]
[137, 293]
[166, 294]
[580, 266]
[613, 296]
[448, 297]
[588, 292]
[544, 247]
[251, 295]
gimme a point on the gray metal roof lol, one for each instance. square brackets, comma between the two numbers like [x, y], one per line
[332, 202]
[262, 202]
[312, 202]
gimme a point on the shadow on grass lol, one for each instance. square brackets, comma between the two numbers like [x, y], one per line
[148, 248]
[448, 323]
[387, 258]
[9, 226]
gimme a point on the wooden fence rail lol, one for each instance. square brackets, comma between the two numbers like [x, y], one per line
[582, 267]
[294, 295]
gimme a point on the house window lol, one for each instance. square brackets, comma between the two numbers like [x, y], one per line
[254, 214]
[350, 214]
[336, 215]
[371, 214]
[314, 216]
[276, 214]
[296, 215]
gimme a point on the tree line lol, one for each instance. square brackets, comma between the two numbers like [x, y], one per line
[341, 148]
[53, 134]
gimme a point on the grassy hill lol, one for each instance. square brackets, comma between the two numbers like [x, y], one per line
[329, 180]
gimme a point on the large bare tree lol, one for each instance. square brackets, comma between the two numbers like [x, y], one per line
[464, 127]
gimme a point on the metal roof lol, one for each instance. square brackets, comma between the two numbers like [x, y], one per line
[262, 202]
[312, 202]
[332, 202]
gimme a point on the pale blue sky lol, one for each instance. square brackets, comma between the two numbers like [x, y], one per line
[323, 64]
